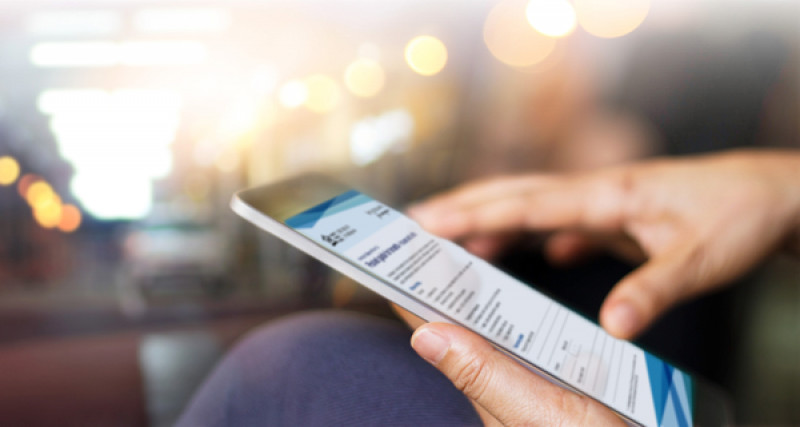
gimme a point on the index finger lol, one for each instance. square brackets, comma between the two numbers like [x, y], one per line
[596, 201]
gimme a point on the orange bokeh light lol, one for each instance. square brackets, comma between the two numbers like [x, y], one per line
[25, 183]
[70, 218]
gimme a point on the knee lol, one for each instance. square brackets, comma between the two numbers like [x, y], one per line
[309, 334]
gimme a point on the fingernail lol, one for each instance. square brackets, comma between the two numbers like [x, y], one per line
[430, 345]
[622, 320]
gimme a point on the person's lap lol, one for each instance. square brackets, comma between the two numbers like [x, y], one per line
[327, 368]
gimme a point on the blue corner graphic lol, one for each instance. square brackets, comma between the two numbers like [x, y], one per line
[339, 203]
[671, 390]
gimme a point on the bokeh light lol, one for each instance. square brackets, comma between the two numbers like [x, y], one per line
[510, 37]
[373, 136]
[115, 141]
[323, 93]
[293, 94]
[9, 170]
[611, 18]
[48, 214]
[39, 194]
[71, 218]
[25, 183]
[113, 196]
[426, 55]
[554, 18]
[364, 78]
[108, 53]
[46, 204]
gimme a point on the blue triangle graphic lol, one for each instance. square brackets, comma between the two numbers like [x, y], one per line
[310, 217]
[660, 381]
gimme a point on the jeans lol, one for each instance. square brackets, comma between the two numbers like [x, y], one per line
[327, 369]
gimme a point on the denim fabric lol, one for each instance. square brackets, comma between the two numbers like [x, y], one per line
[327, 369]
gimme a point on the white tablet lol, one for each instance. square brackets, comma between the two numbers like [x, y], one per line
[437, 280]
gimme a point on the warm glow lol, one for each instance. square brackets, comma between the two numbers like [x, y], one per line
[369, 51]
[323, 93]
[9, 170]
[426, 55]
[611, 18]
[293, 94]
[364, 78]
[48, 215]
[510, 37]
[70, 219]
[40, 194]
[25, 183]
[554, 18]
[228, 161]
[46, 204]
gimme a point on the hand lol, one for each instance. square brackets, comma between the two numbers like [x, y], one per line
[698, 222]
[510, 394]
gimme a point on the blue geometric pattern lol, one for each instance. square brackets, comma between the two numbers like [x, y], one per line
[672, 391]
[339, 203]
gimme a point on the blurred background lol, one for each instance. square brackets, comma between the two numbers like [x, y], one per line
[126, 126]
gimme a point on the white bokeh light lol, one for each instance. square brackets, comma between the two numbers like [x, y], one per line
[118, 142]
[554, 18]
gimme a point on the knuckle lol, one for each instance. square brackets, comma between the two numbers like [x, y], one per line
[577, 410]
[472, 376]
[604, 203]
[571, 403]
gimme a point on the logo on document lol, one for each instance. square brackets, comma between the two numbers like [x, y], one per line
[332, 238]
[338, 236]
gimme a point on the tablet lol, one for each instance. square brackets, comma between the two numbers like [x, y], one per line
[437, 280]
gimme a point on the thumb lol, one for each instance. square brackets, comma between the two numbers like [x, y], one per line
[507, 390]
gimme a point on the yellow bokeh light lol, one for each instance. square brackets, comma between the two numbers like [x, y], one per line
[364, 78]
[293, 94]
[554, 18]
[426, 55]
[323, 93]
[510, 37]
[48, 214]
[611, 18]
[70, 218]
[9, 170]
[39, 194]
